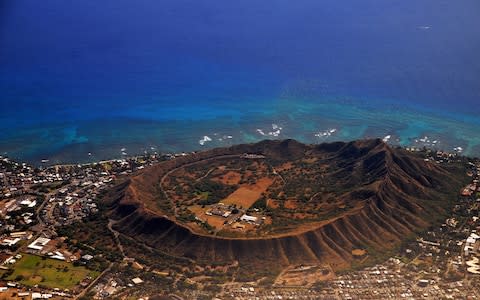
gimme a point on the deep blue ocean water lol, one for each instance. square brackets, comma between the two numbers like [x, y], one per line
[79, 81]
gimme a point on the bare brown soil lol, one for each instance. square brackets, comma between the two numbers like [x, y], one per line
[230, 178]
[291, 204]
[284, 167]
[359, 252]
[246, 195]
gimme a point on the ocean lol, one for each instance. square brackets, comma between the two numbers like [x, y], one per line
[87, 80]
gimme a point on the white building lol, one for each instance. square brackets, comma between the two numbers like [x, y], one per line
[38, 244]
[247, 218]
[10, 242]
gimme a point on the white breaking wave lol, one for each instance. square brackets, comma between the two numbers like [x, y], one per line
[204, 140]
[276, 131]
[326, 133]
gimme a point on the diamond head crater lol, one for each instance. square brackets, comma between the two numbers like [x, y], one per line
[273, 204]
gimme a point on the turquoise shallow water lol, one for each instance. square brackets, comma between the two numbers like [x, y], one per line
[306, 120]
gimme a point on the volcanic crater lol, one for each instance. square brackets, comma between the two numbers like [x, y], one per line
[283, 202]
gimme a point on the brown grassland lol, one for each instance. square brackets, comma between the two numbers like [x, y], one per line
[246, 195]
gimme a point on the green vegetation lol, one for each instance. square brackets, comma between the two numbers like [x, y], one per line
[267, 272]
[203, 195]
[186, 216]
[45, 188]
[260, 203]
[162, 201]
[212, 192]
[92, 236]
[31, 270]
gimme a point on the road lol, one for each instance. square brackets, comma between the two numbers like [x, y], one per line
[116, 234]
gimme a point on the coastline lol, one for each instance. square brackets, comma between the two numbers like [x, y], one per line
[304, 120]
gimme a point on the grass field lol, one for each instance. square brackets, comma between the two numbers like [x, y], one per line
[31, 270]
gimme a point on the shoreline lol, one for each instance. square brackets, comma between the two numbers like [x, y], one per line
[166, 156]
